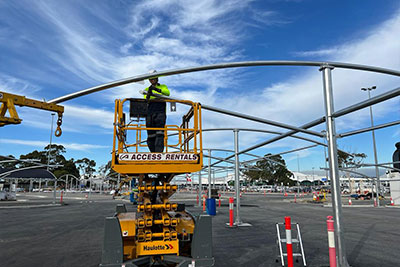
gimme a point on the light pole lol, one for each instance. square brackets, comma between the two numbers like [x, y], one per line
[377, 181]
[48, 158]
[51, 135]
[313, 176]
[209, 173]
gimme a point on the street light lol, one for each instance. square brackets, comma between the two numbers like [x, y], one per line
[377, 181]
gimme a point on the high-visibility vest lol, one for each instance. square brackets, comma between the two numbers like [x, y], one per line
[164, 91]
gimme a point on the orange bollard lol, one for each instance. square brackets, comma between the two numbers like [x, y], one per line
[331, 241]
[219, 200]
[204, 203]
[295, 196]
[289, 246]
[231, 212]
[197, 199]
[264, 192]
[61, 197]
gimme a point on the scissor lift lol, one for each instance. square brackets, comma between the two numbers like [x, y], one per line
[160, 232]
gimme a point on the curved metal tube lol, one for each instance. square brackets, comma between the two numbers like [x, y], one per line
[224, 66]
[263, 131]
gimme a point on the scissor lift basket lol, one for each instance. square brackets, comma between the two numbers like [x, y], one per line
[184, 156]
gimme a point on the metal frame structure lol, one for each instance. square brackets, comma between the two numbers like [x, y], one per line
[330, 115]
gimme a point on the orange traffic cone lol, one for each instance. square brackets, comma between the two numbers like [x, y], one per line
[350, 202]
[391, 202]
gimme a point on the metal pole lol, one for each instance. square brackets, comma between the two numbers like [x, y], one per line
[297, 178]
[377, 181]
[380, 126]
[55, 191]
[237, 180]
[101, 185]
[214, 179]
[325, 161]
[200, 188]
[333, 163]
[222, 66]
[209, 173]
[90, 185]
[66, 184]
[51, 135]
[191, 186]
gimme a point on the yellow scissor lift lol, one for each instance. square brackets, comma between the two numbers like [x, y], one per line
[160, 233]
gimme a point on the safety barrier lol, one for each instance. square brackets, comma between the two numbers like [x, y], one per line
[331, 241]
[289, 246]
[290, 252]
[231, 212]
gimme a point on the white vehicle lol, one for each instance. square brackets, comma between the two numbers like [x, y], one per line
[266, 188]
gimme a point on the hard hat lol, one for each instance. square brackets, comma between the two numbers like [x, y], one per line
[153, 72]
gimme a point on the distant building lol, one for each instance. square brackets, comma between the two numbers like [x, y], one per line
[302, 177]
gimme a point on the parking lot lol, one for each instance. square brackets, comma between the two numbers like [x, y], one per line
[71, 235]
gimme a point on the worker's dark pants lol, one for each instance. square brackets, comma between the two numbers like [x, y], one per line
[155, 138]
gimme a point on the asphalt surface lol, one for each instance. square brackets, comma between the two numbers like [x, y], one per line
[33, 234]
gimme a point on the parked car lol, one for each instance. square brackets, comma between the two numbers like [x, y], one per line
[266, 188]
[366, 196]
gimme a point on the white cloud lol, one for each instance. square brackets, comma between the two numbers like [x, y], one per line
[17, 86]
[80, 49]
[42, 144]
[76, 118]
[125, 48]
[318, 53]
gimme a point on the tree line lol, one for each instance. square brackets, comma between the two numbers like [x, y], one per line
[84, 166]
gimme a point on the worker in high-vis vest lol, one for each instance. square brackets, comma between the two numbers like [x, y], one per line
[156, 114]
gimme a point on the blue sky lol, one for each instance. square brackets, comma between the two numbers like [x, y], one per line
[52, 48]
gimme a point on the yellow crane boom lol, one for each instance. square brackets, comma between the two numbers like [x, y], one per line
[9, 101]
